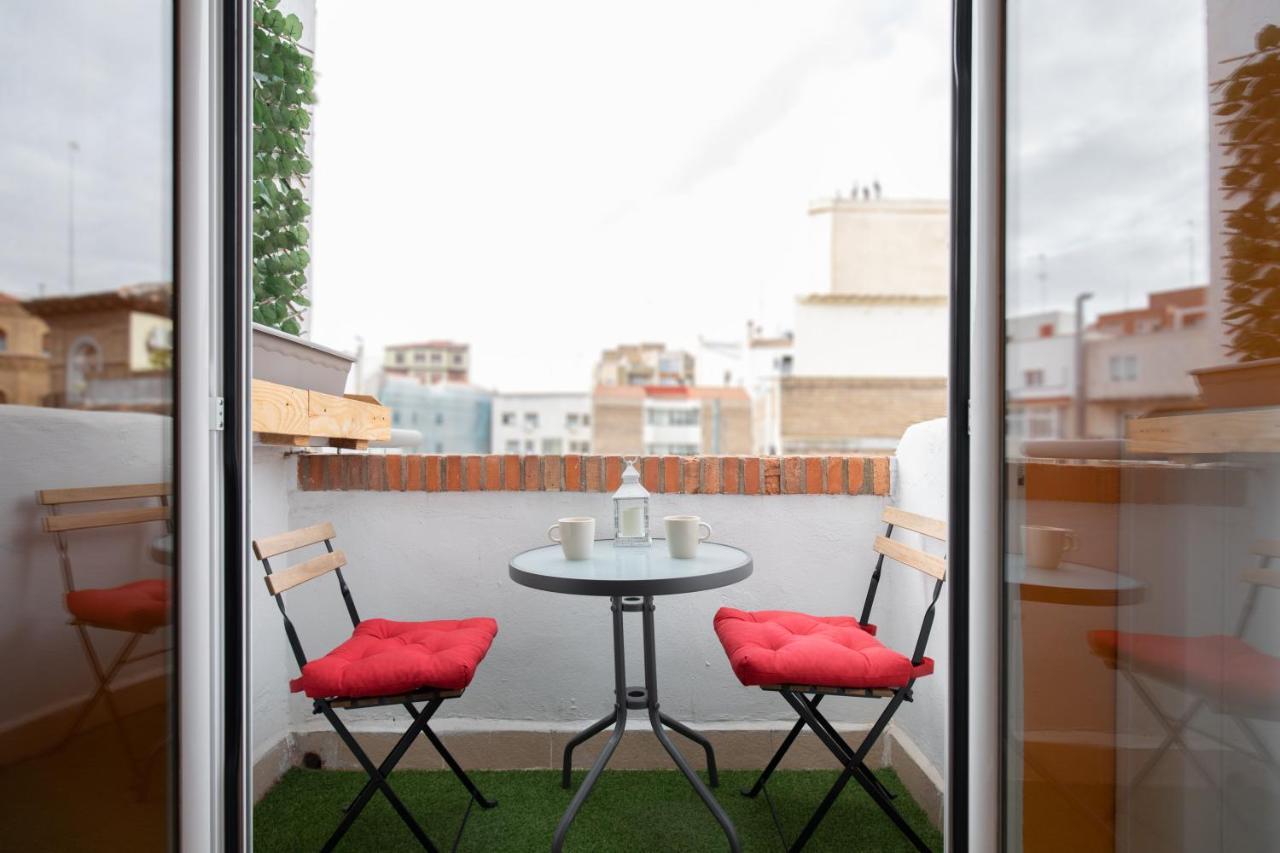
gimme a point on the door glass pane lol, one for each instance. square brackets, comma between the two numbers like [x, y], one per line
[86, 355]
[1142, 315]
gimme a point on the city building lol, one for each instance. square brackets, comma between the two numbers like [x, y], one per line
[644, 364]
[545, 423]
[24, 357]
[109, 349]
[677, 420]
[758, 363]
[1040, 377]
[428, 361]
[870, 355]
[453, 417]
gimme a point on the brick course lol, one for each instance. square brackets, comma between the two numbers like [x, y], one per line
[706, 475]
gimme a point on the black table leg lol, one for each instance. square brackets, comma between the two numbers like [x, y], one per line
[637, 698]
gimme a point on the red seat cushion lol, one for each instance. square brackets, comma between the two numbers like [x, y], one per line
[140, 607]
[784, 647]
[1226, 670]
[383, 658]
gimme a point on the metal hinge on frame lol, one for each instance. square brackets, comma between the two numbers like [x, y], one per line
[217, 414]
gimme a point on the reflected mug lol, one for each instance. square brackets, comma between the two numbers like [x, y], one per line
[683, 535]
[576, 536]
[1046, 546]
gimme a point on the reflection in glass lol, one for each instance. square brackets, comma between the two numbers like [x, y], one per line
[86, 384]
[1142, 310]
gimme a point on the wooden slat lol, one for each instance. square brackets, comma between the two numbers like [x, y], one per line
[286, 440]
[377, 701]
[52, 497]
[1261, 577]
[279, 409]
[341, 417]
[305, 571]
[862, 692]
[908, 556]
[269, 546]
[919, 523]
[1266, 547]
[106, 518]
[1238, 431]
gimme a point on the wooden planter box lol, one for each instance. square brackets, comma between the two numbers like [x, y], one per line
[1240, 386]
[292, 416]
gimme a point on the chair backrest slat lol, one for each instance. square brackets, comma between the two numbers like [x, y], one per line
[278, 582]
[104, 518]
[922, 524]
[930, 564]
[1261, 577]
[1266, 547]
[54, 497]
[292, 540]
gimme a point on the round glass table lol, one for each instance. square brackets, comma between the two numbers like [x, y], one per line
[630, 577]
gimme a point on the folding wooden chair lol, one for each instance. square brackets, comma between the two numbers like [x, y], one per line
[382, 663]
[1223, 673]
[135, 609]
[798, 656]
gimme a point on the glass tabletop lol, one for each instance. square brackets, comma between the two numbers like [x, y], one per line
[630, 571]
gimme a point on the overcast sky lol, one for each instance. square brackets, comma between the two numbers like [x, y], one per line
[543, 180]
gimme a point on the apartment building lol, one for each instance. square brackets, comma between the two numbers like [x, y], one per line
[644, 364]
[24, 356]
[676, 420]
[870, 355]
[1040, 377]
[545, 423]
[757, 362]
[453, 417]
[429, 361]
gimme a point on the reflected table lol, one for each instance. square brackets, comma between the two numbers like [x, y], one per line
[630, 578]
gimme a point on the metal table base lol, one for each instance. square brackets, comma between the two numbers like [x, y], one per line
[635, 698]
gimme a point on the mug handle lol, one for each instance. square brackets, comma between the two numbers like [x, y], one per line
[556, 528]
[1069, 542]
[708, 536]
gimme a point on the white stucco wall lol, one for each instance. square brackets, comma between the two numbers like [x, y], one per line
[871, 340]
[44, 667]
[419, 555]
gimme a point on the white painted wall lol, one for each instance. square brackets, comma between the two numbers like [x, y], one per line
[1164, 360]
[1054, 356]
[552, 411]
[44, 667]
[897, 246]
[866, 340]
[419, 555]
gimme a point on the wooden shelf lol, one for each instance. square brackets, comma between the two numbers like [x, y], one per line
[293, 416]
[1227, 431]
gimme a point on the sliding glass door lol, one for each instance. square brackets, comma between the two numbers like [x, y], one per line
[1142, 426]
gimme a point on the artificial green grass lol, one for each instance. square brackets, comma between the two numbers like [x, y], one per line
[629, 810]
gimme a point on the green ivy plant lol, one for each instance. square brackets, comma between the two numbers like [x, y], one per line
[1250, 108]
[283, 92]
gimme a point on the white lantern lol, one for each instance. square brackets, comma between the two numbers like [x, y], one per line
[631, 510]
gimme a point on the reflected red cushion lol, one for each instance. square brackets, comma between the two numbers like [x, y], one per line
[1226, 670]
[141, 606]
[383, 658]
[785, 647]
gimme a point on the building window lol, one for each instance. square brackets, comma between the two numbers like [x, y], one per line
[672, 449]
[673, 417]
[784, 365]
[436, 358]
[586, 420]
[508, 418]
[399, 358]
[439, 418]
[419, 357]
[530, 420]
[528, 445]
[457, 358]
[1124, 368]
[1033, 378]
[513, 445]
[4, 340]
[1046, 330]
[571, 420]
[552, 446]
[395, 419]
[46, 345]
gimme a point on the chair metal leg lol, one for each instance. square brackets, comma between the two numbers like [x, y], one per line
[854, 769]
[1173, 735]
[103, 692]
[756, 788]
[485, 802]
[378, 776]
[580, 738]
[865, 771]
[698, 738]
[1261, 752]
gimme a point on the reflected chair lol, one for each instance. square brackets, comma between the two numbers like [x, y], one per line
[135, 609]
[1223, 673]
[382, 663]
[801, 656]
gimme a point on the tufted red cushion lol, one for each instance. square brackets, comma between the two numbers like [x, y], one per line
[140, 607]
[1227, 670]
[784, 647]
[383, 658]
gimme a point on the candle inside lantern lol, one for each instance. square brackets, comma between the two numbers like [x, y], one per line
[632, 522]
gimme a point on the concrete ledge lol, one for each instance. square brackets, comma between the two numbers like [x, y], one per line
[541, 749]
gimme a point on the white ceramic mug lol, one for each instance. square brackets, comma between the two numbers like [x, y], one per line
[1046, 546]
[577, 536]
[683, 535]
